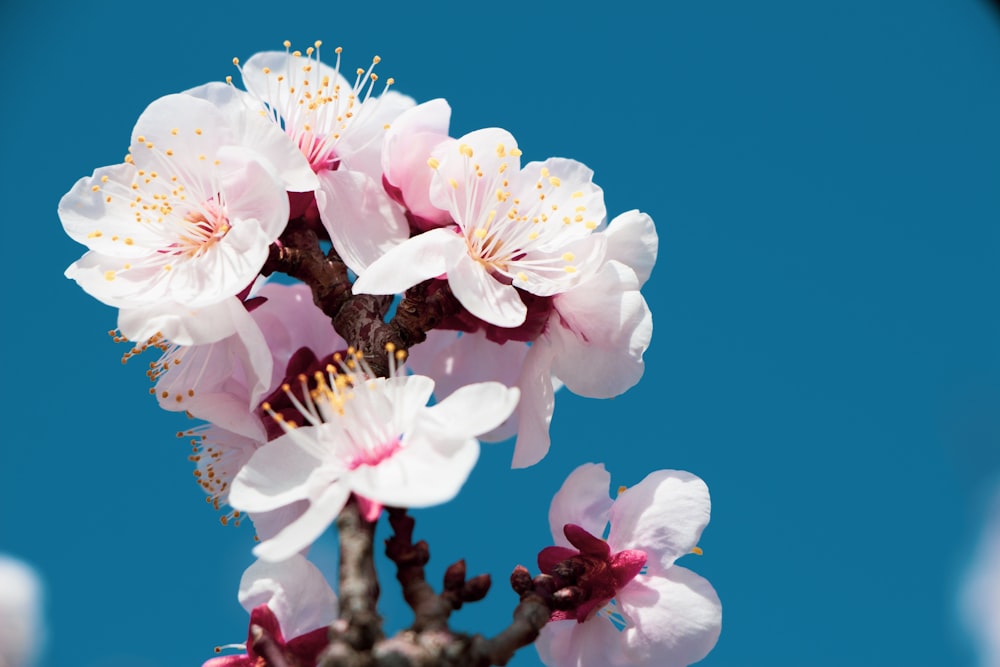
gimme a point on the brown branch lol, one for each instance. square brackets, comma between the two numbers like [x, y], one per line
[358, 318]
[360, 625]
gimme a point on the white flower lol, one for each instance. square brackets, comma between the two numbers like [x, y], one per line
[637, 607]
[375, 437]
[593, 341]
[21, 623]
[528, 228]
[339, 126]
[293, 603]
[980, 595]
[182, 227]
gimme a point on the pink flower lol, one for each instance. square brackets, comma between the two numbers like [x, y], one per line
[634, 606]
[289, 598]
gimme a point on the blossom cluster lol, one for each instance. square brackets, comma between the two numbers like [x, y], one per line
[296, 422]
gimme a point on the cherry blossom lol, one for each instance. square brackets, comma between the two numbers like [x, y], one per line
[182, 227]
[525, 228]
[592, 339]
[287, 599]
[374, 437]
[634, 606]
[339, 126]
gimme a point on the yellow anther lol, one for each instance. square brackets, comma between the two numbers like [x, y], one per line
[318, 43]
[338, 50]
[569, 269]
[480, 233]
[522, 276]
[109, 275]
[465, 149]
[453, 183]
[390, 81]
[95, 188]
[287, 44]
[141, 139]
[197, 131]
[174, 131]
[545, 172]
[621, 489]
[390, 347]
[433, 163]
[568, 257]
[576, 195]
[590, 225]
[554, 180]
[515, 152]
[236, 61]
[229, 79]
[297, 54]
[697, 551]
[376, 60]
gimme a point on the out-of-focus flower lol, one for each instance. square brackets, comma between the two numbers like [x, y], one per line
[374, 437]
[592, 340]
[287, 599]
[339, 126]
[981, 592]
[525, 228]
[21, 624]
[183, 226]
[633, 605]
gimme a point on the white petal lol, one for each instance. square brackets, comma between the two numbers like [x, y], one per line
[422, 474]
[569, 187]
[181, 324]
[302, 532]
[663, 515]
[270, 523]
[593, 643]
[362, 147]
[252, 191]
[253, 130]
[534, 412]
[484, 296]
[362, 221]
[294, 589]
[632, 240]
[600, 332]
[469, 411]
[582, 500]
[455, 187]
[409, 143]
[276, 475]
[22, 623]
[675, 619]
[424, 256]
[455, 360]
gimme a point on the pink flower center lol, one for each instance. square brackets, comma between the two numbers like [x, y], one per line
[372, 456]
[592, 574]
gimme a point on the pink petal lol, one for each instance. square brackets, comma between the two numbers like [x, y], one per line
[585, 542]
[582, 499]
[549, 557]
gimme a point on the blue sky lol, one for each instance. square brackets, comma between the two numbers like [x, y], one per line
[823, 177]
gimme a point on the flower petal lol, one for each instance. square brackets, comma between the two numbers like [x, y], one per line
[593, 643]
[294, 589]
[182, 324]
[424, 256]
[582, 500]
[663, 515]
[675, 619]
[483, 295]
[632, 240]
[254, 131]
[600, 332]
[362, 221]
[423, 473]
[534, 412]
[276, 475]
[470, 411]
[303, 531]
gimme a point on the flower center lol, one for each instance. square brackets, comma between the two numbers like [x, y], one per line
[317, 107]
[591, 575]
